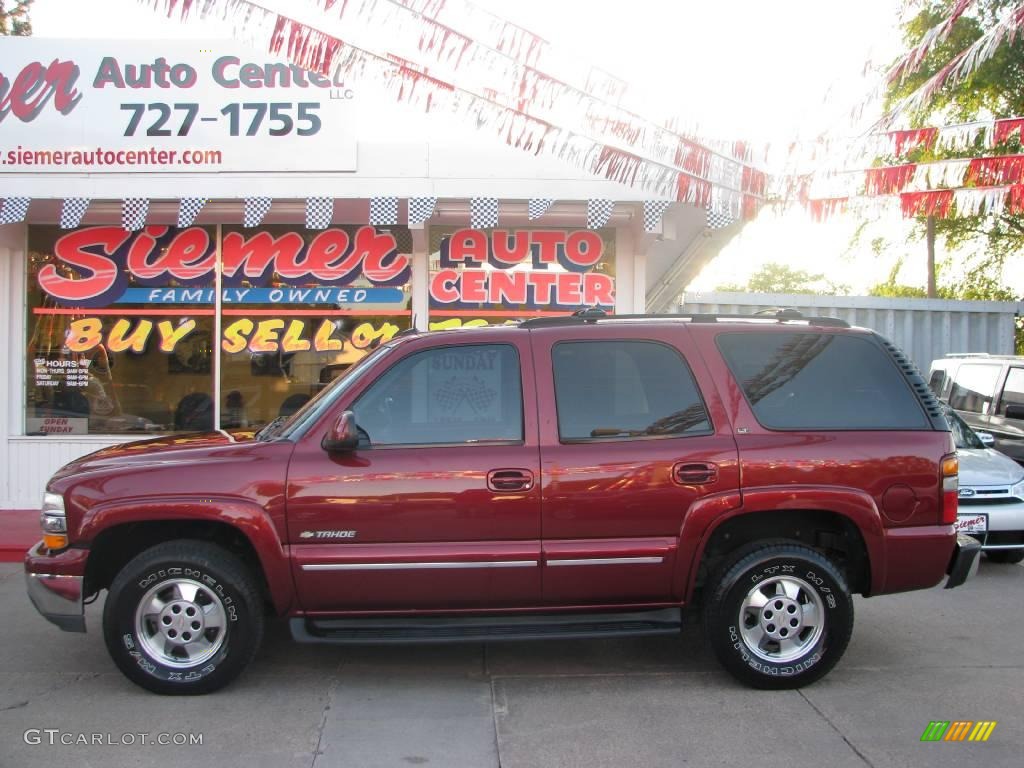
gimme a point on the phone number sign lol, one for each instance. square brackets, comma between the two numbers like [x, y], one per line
[70, 106]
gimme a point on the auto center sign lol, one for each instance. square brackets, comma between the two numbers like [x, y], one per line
[536, 268]
[69, 106]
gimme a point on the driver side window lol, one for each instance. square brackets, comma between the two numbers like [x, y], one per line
[448, 395]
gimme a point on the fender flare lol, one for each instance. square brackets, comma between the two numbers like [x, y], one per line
[707, 514]
[249, 519]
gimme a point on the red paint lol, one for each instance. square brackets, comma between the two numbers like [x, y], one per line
[609, 500]
[35, 85]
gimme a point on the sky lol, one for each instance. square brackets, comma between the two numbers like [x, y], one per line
[741, 69]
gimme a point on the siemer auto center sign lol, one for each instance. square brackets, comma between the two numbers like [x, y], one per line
[98, 106]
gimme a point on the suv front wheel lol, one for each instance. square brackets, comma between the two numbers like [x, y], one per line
[779, 616]
[183, 617]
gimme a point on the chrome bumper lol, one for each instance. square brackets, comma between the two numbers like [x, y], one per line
[57, 598]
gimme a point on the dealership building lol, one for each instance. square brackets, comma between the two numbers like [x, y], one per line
[196, 237]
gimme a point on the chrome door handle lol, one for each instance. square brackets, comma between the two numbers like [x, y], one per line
[694, 472]
[509, 480]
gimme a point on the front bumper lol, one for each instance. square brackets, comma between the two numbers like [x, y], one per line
[58, 597]
[964, 563]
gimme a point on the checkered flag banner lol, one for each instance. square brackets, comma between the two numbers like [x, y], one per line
[653, 211]
[72, 211]
[383, 211]
[319, 211]
[188, 209]
[537, 207]
[718, 219]
[255, 209]
[483, 212]
[598, 212]
[420, 209]
[14, 210]
[133, 213]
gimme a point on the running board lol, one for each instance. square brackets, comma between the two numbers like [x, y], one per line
[460, 629]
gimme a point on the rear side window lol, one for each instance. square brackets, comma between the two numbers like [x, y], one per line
[625, 389]
[820, 381]
[974, 387]
[447, 395]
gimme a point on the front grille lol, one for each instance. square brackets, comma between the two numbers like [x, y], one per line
[976, 501]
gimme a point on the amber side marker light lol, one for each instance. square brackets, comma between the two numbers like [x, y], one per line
[950, 488]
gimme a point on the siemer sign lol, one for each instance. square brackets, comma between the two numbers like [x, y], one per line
[69, 106]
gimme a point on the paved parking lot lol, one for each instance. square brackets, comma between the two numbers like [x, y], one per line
[918, 657]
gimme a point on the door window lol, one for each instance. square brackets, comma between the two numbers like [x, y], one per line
[624, 389]
[448, 395]
[974, 387]
[1013, 391]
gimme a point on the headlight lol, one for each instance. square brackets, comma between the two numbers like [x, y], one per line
[1018, 490]
[53, 521]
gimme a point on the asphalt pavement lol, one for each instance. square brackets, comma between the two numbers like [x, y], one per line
[914, 658]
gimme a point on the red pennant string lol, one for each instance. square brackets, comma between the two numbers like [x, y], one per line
[754, 181]
[751, 205]
[935, 202]
[1006, 128]
[995, 171]
[1014, 203]
[826, 207]
[905, 141]
[888, 180]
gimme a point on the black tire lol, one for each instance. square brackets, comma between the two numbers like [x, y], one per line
[226, 595]
[1005, 556]
[813, 651]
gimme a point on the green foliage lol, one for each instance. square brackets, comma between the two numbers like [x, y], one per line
[16, 21]
[774, 277]
[995, 89]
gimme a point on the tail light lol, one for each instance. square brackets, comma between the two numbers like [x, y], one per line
[950, 487]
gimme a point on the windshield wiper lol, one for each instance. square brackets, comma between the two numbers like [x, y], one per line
[271, 429]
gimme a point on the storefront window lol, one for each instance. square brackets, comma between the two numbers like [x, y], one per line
[304, 306]
[119, 337]
[121, 325]
[480, 277]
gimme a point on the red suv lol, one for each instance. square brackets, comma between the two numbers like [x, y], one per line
[562, 478]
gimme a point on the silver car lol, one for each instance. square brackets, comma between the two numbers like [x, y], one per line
[991, 494]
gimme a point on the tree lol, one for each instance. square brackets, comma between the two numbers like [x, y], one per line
[993, 89]
[16, 21]
[779, 278]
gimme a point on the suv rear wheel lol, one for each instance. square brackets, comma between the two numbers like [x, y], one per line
[183, 617]
[779, 616]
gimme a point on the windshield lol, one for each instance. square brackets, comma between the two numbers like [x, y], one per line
[963, 435]
[314, 409]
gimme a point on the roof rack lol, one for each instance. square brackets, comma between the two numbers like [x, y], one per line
[595, 314]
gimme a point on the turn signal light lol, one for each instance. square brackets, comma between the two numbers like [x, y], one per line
[55, 540]
[950, 488]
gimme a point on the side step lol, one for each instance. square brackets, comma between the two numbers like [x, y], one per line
[461, 629]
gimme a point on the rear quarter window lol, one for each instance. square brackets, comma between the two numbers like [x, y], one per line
[820, 381]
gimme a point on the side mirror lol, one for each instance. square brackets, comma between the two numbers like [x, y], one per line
[1015, 411]
[986, 439]
[343, 436]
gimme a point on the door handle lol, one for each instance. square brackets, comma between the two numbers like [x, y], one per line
[694, 472]
[509, 480]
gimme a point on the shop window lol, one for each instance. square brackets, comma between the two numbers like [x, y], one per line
[491, 276]
[301, 307]
[121, 325]
[118, 341]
